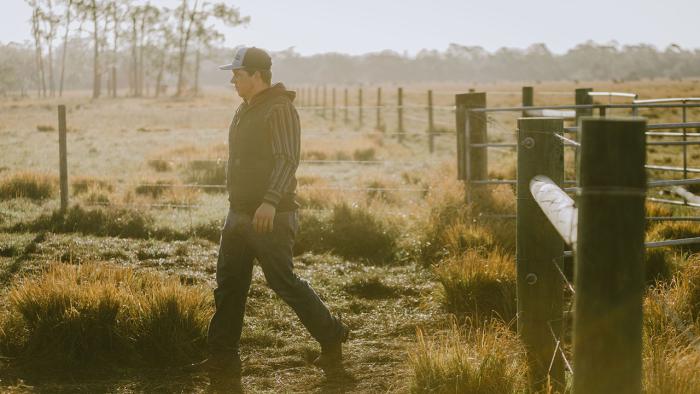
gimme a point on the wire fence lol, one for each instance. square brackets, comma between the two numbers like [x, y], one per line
[476, 123]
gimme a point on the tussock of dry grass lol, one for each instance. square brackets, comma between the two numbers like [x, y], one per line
[675, 230]
[658, 265]
[352, 232]
[31, 185]
[452, 228]
[203, 172]
[670, 367]
[85, 184]
[96, 315]
[480, 286]
[164, 192]
[671, 331]
[472, 360]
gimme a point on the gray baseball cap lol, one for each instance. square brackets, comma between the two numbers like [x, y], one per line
[251, 57]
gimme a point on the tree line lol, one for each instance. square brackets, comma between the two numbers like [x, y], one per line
[127, 43]
[459, 63]
[137, 38]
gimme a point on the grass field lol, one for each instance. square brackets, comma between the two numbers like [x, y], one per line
[116, 294]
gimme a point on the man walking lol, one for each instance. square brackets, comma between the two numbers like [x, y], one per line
[264, 146]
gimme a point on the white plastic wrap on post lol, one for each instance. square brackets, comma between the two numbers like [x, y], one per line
[557, 206]
[551, 113]
[686, 195]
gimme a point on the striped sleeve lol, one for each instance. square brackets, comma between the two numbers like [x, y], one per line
[285, 135]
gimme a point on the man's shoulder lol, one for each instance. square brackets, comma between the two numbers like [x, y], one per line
[281, 102]
[282, 99]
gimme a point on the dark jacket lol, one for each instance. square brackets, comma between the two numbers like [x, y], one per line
[264, 145]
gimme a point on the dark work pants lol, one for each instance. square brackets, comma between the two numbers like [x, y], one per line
[240, 244]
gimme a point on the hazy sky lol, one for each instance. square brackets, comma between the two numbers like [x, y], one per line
[360, 26]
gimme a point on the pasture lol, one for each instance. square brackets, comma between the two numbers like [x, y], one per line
[114, 295]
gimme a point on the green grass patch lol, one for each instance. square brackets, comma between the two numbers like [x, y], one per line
[115, 222]
[371, 287]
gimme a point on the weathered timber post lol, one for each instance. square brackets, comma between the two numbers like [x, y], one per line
[431, 124]
[528, 98]
[609, 277]
[63, 157]
[399, 111]
[345, 117]
[581, 98]
[114, 82]
[539, 247]
[684, 119]
[316, 99]
[379, 109]
[324, 102]
[333, 109]
[359, 108]
[471, 129]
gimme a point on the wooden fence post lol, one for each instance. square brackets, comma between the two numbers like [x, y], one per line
[345, 118]
[471, 129]
[324, 102]
[609, 278]
[316, 99]
[528, 98]
[63, 157]
[399, 111]
[114, 82]
[379, 108]
[333, 109]
[539, 248]
[359, 108]
[581, 98]
[431, 124]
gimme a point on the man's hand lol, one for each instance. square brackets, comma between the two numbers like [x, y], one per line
[264, 218]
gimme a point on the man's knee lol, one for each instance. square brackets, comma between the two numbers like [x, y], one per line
[285, 283]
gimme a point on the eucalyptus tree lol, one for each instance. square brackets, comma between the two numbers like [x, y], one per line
[68, 6]
[116, 12]
[93, 11]
[159, 53]
[37, 34]
[192, 22]
[51, 21]
[144, 21]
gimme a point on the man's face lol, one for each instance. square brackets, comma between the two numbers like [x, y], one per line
[243, 83]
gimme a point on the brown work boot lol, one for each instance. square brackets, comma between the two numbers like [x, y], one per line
[331, 358]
